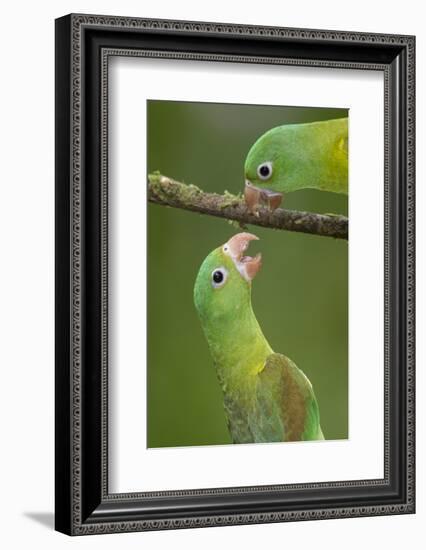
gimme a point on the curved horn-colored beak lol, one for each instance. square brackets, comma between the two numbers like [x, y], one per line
[251, 196]
[255, 197]
[235, 248]
[239, 244]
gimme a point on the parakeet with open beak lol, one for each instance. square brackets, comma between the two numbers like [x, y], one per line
[297, 156]
[266, 396]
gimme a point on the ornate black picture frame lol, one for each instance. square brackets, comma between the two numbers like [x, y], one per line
[84, 44]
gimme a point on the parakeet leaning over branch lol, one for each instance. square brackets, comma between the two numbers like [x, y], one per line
[297, 156]
[266, 396]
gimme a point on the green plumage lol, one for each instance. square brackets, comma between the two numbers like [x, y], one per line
[313, 155]
[266, 396]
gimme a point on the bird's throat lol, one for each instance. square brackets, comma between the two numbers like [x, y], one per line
[239, 350]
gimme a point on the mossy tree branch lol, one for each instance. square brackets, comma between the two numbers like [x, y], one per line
[168, 192]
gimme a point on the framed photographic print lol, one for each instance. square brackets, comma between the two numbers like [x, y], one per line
[227, 352]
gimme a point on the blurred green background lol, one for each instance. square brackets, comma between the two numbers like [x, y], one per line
[300, 297]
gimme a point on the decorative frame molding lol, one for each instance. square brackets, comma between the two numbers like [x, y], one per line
[84, 43]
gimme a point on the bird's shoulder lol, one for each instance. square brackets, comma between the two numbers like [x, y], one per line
[279, 368]
[286, 384]
[341, 145]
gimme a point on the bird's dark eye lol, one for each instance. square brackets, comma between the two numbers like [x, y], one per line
[219, 277]
[264, 171]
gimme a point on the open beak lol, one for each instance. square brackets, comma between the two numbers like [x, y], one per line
[235, 248]
[254, 196]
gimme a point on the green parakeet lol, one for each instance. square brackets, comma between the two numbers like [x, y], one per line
[267, 397]
[297, 156]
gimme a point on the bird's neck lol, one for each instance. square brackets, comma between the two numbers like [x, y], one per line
[239, 349]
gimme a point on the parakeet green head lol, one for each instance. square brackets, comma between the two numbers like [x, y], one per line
[312, 155]
[271, 166]
[223, 285]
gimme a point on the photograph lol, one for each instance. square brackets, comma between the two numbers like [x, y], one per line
[247, 328]
[234, 255]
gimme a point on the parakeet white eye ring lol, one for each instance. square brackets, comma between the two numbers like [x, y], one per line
[219, 277]
[264, 170]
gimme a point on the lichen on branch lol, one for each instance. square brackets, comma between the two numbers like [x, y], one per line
[168, 192]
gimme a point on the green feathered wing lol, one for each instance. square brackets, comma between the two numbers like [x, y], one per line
[286, 407]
